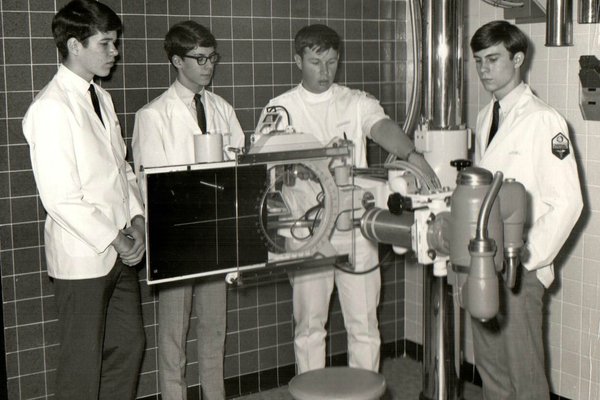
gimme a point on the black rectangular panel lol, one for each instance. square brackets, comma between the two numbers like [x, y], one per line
[204, 221]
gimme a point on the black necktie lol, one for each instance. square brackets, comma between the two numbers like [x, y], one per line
[495, 120]
[96, 103]
[200, 112]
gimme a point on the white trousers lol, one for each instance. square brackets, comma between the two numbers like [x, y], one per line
[359, 298]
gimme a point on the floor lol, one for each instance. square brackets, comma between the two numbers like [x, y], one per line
[403, 378]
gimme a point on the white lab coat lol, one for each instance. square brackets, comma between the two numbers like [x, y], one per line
[86, 185]
[165, 128]
[340, 112]
[522, 149]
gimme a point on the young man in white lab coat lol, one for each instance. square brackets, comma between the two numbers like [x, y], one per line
[94, 230]
[164, 135]
[327, 110]
[531, 144]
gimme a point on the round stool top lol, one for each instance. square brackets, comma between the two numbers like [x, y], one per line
[337, 383]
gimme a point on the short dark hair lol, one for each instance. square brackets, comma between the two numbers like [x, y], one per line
[496, 32]
[316, 37]
[185, 36]
[81, 19]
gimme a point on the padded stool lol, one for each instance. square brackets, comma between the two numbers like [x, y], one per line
[337, 383]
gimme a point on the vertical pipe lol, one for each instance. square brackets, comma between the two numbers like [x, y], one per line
[442, 109]
[442, 64]
[559, 23]
[588, 11]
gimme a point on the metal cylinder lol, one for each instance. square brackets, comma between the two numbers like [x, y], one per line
[384, 227]
[588, 11]
[440, 370]
[559, 23]
[442, 64]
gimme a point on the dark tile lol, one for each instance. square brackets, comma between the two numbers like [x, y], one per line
[17, 51]
[16, 24]
[223, 75]
[14, 5]
[15, 132]
[11, 341]
[28, 286]
[281, 9]
[42, 74]
[8, 289]
[285, 373]
[115, 5]
[242, 28]
[241, 8]
[41, 24]
[33, 386]
[179, 7]
[261, 8]
[297, 24]
[267, 378]
[22, 183]
[5, 212]
[266, 294]
[232, 319]
[219, 7]
[221, 28]
[200, 7]
[248, 340]
[12, 365]
[18, 104]
[299, 9]
[136, 99]
[242, 50]
[282, 74]
[281, 29]
[44, 52]
[232, 387]
[18, 78]
[242, 75]
[135, 76]
[283, 52]
[267, 336]
[25, 235]
[31, 361]
[318, 9]
[156, 28]
[335, 8]
[13, 388]
[3, 158]
[134, 51]
[249, 383]
[29, 311]
[156, 7]
[245, 117]
[247, 318]
[26, 260]
[158, 76]
[49, 306]
[19, 157]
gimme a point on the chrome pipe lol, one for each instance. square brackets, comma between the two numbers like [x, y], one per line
[442, 64]
[588, 11]
[559, 23]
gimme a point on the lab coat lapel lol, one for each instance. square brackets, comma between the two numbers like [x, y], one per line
[504, 131]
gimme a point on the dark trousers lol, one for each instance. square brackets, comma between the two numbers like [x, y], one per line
[101, 335]
[509, 350]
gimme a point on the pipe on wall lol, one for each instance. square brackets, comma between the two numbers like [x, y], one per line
[559, 23]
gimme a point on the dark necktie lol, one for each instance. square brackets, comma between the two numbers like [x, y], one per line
[200, 112]
[96, 103]
[495, 120]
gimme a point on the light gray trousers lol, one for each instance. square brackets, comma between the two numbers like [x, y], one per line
[174, 310]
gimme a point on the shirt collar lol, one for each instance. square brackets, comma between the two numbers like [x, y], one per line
[73, 80]
[509, 101]
[314, 98]
[185, 94]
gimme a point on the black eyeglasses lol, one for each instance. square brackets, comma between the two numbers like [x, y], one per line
[202, 59]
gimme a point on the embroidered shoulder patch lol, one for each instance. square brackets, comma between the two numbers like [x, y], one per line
[560, 146]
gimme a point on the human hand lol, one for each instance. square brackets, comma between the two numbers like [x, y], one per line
[130, 242]
[419, 161]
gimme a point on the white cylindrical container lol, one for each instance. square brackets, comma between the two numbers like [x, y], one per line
[208, 147]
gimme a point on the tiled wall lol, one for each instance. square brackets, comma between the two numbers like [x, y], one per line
[255, 40]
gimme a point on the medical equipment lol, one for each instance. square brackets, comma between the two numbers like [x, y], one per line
[465, 229]
[240, 216]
